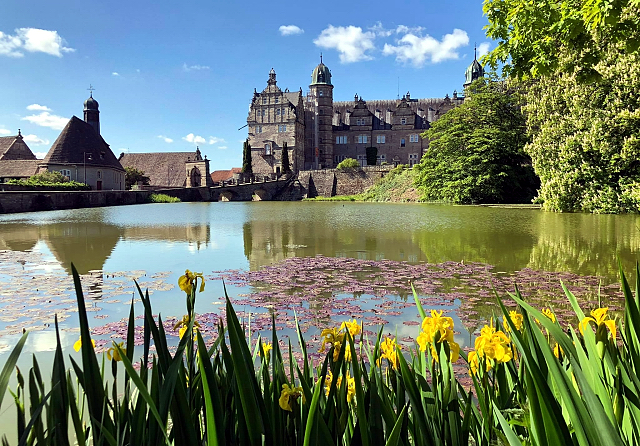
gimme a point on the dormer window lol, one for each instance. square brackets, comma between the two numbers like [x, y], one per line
[403, 121]
[101, 155]
[277, 100]
[264, 100]
[267, 149]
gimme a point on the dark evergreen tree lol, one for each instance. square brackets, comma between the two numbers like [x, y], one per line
[246, 157]
[286, 167]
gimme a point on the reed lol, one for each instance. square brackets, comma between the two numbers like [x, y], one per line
[534, 383]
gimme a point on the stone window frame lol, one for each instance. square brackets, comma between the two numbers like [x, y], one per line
[403, 142]
[276, 100]
[282, 128]
[265, 101]
[381, 139]
[363, 139]
[403, 121]
[342, 139]
[414, 137]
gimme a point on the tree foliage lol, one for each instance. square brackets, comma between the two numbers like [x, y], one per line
[286, 166]
[476, 151]
[348, 163]
[246, 157]
[134, 176]
[532, 35]
[586, 137]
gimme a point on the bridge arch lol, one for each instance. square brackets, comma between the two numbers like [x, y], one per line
[227, 196]
[260, 195]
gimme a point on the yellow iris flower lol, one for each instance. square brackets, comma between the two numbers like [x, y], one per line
[437, 329]
[78, 344]
[493, 345]
[112, 352]
[599, 317]
[266, 347]
[289, 394]
[353, 327]
[549, 314]
[351, 385]
[517, 320]
[388, 351]
[184, 324]
[189, 280]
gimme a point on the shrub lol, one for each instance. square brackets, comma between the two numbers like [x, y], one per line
[134, 176]
[163, 198]
[348, 163]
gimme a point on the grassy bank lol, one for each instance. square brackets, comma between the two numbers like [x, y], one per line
[396, 186]
[534, 382]
[163, 198]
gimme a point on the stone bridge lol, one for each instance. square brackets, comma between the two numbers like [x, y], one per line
[257, 191]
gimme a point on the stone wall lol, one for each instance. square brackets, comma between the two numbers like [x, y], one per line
[331, 182]
[11, 202]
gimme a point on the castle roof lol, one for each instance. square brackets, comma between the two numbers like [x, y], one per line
[91, 104]
[163, 168]
[14, 148]
[321, 75]
[79, 143]
[224, 175]
[474, 71]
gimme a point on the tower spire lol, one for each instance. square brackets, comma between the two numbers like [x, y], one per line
[475, 51]
[320, 57]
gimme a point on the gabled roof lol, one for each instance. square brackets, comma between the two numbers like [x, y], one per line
[14, 148]
[18, 168]
[163, 168]
[224, 175]
[79, 143]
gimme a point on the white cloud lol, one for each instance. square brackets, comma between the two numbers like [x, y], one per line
[46, 119]
[403, 29]
[38, 107]
[483, 48]
[290, 30]
[186, 67]
[215, 140]
[195, 139]
[222, 147]
[33, 139]
[115, 73]
[5, 132]
[350, 41]
[40, 155]
[380, 30]
[165, 139]
[417, 49]
[33, 40]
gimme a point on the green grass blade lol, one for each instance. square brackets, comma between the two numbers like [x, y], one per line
[311, 420]
[9, 365]
[394, 437]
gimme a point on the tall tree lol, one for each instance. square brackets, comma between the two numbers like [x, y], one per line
[246, 157]
[475, 154]
[133, 176]
[286, 167]
[531, 36]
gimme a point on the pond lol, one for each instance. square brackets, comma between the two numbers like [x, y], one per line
[327, 261]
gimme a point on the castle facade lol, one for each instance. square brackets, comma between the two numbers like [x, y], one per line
[319, 133]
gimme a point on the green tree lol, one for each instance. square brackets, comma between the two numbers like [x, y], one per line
[348, 163]
[48, 177]
[133, 176]
[585, 142]
[475, 153]
[286, 167]
[372, 156]
[246, 157]
[532, 36]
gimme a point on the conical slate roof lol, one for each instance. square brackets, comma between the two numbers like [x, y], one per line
[79, 143]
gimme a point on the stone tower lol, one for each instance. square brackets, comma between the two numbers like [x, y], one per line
[91, 113]
[321, 92]
[474, 71]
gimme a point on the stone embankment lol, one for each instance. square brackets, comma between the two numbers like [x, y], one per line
[332, 182]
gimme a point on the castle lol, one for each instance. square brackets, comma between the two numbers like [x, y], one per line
[319, 133]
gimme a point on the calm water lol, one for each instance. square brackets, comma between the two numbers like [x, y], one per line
[157, 242]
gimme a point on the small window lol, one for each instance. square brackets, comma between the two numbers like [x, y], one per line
[341, 139]
[381, 139]
[362, 139]
[99, 174]
[263, 112]
[277, 100]
[282, 128]
[320, 93]
[403, 121]
[258, 129]
[267, 149]
[413, 138]
[321, 112]
[264, 101]
[402, 142]
[277, 112]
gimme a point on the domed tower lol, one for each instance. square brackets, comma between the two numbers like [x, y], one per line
[91, 113]
[474, 71]
[322, 97]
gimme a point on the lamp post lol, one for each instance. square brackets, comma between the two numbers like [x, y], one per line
[84, 164]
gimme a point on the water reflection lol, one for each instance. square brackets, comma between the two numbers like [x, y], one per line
[268, 232]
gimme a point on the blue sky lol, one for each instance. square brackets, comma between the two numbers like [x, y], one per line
[173, 75]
